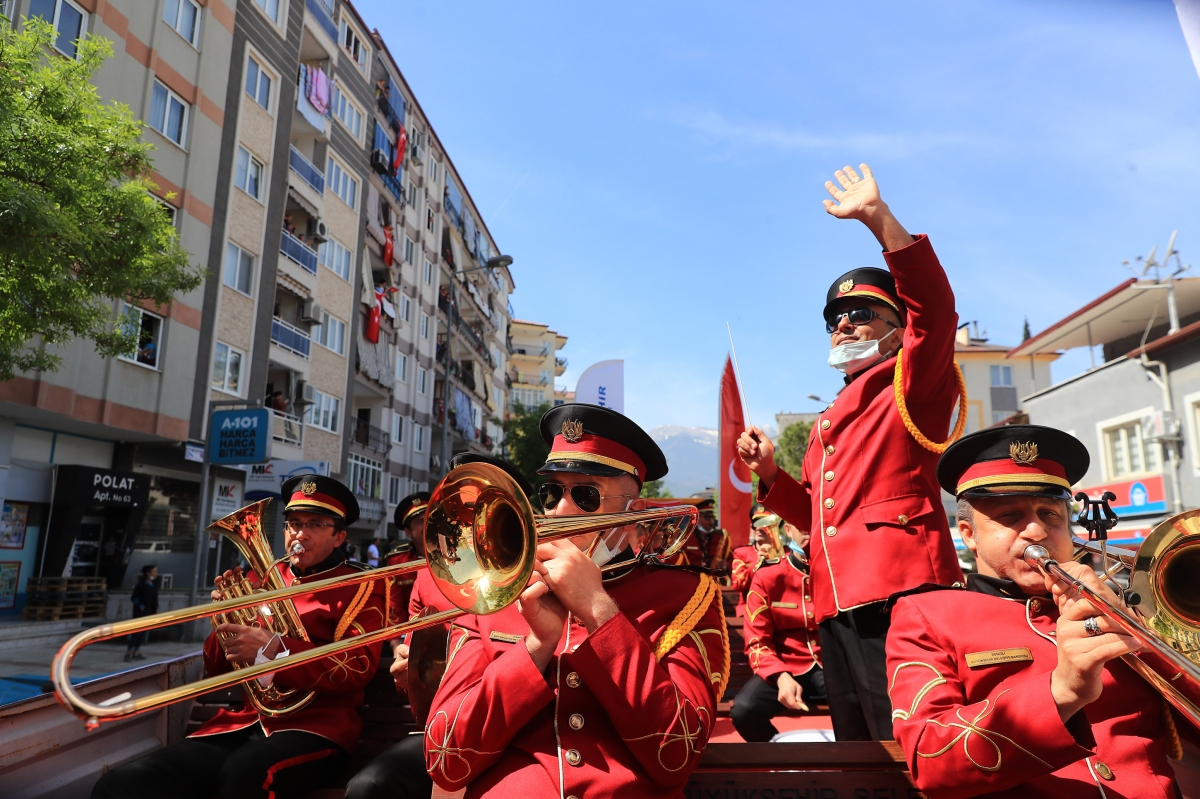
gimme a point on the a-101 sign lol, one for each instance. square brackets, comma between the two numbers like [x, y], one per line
[242, 436]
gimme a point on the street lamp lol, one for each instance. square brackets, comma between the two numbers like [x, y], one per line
[495, 262]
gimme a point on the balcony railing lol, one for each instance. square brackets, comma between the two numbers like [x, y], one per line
[290, 337]
[561, 362]
[371, 509]
[371, 437]
[324, 17]
[286, 428]
[298, 251]
[305, 169]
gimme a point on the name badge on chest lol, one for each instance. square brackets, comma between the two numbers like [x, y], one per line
[791, 605]
[504, 638]
[994, 657]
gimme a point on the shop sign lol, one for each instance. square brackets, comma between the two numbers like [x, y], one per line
[240, 436]
[265, 479]
[227, 498]
[1143, 497]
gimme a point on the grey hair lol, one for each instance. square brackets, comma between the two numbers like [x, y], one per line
[965, 512]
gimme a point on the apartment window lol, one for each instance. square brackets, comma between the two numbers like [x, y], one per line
[418, 437]
[346, 112]
[227, 369]
[324, 412]
[393, 489]
[432, 170]
[402, 367]
[428, 276]
[330, 333]
[410, 249]
[168, 113]
[366, 476]
[68, 19]
[429, 219]
[258, 83]
[412, 194]
[270, 8]
[239, 268]
[167, 208]
[1002, 376]
[184, 17]
[424, 325]
[405, 308]
[249, 173]
[148, 329]
[335, 256]
[352, 43]
[339, 180]
[1127, 452]
[397, 429]
[422, 380]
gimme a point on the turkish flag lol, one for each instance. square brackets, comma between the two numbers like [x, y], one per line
[401, 148]
[389, 246]
[735, 475]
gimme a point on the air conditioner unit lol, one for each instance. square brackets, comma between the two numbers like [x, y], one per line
[416, 154]
[381, 163]
[1160, 426]
[304, 394]
[318, 231]
[310, 312]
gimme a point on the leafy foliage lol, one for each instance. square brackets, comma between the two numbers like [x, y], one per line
[654, 489]
[79, 229]
[523, 438]
[790, 449]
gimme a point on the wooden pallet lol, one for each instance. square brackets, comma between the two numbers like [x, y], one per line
[58, 612]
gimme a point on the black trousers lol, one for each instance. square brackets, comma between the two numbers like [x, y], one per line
[852, 651]
[758, 702]
[245, 764]
[398, 773]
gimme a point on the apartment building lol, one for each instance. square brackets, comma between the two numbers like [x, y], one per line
[535, 363]
[995, 383]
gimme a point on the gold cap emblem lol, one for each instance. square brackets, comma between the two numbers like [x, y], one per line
[308, 489]
[846, 285]
[572, 431]
[1023, 454]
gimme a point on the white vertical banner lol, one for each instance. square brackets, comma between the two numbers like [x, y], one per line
[1189, 19]
[603, 384]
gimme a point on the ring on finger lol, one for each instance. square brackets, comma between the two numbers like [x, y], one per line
[1092, 625]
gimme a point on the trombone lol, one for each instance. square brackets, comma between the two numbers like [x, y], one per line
[1161, 608]
[480, 542]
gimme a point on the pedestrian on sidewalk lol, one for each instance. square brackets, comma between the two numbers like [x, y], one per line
[145, 603]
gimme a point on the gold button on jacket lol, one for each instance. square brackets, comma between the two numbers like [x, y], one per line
[576, 721]
[573, 680]
[573, 757]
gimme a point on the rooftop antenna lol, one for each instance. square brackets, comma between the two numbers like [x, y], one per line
[1151, 262]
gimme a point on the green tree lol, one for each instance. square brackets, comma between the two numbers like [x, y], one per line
[654, 489]
[791, 446]
[79, 229]
[523, 438]
[1025, 334]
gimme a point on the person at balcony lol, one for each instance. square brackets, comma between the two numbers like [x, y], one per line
[867, 489]
[763, 546]
[596, 683]
[708, 545]
[145, 603]
[1014, 686]
[400, 771]
[242, 752]
[782, 644]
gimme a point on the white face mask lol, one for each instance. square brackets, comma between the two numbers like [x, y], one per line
[603, 553]
[855, 356]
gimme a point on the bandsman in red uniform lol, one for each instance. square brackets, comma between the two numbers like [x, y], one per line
[594, 686]
[867, 489]
[241, 752]
[409, 518]
[781, 642]
[399, 772]
[763, 546]
[1011, 687]
[708, 545]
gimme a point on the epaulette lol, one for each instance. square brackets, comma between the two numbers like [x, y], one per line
[401, 548]
[357, 565]
[924, 588]
[771, 562]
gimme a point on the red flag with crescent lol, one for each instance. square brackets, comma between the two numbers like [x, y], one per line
[735, 476]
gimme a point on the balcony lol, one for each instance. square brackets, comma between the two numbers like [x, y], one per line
[287, 429]
[291, 338]
[323, 15]
[371, 437]
[305, 169]
[371, 509]
[299, 252]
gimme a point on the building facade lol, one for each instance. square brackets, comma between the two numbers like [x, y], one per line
[535, 362]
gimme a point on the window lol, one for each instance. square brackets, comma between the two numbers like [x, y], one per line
[397, 429]
[258, 83]
[393, 489]
[330, 333]
[1002, 376]
[227, 369]
[422, 380]
[424, 325]
[405, 308]
[410, 249]
[184, 17]
[431, 170]
[418, 437]
[148, 329]
[270, 8]
[239, 268]
[336, 257]
[344, 186]
[324, 412]
[249, 173]
[365, 476]
[412, 194]
[169, 210]
[402, 367]
[1127, 452]
[429, 219]
[168, 113]
[353, 44]
[68, 19]
[428, 276]
[346, 112]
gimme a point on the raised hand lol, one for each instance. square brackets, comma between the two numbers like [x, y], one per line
[758, 452]
[857, 197]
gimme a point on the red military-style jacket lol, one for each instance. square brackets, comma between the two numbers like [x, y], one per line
[606, 718]
[867, 490]
[710, 550]
[338, 679]
[969, 676]
[781, 627]
[400, 587]
[746, 561]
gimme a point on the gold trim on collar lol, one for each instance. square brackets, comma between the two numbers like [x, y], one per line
[592, 458]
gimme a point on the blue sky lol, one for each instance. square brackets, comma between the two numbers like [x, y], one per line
[656, 169]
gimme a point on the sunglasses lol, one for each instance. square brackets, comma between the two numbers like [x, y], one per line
[857, 316]
[586, 497]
